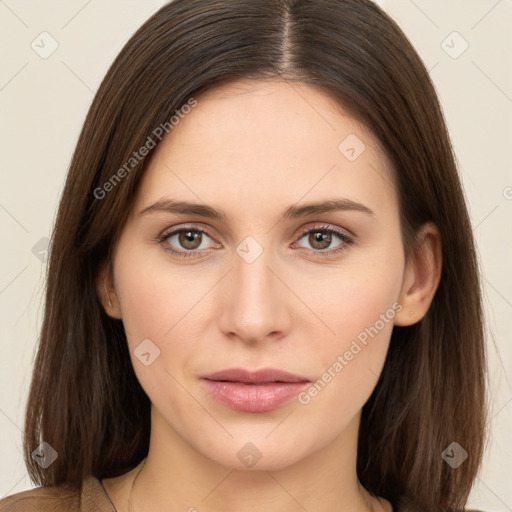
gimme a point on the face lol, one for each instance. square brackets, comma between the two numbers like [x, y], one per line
[266, 284]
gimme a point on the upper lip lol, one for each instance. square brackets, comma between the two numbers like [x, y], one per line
[249, 376]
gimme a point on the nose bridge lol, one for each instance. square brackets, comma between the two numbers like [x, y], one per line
[255, 305]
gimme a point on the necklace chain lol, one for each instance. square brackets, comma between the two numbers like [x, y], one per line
[133, 483]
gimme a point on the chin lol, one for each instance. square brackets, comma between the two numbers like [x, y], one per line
[256, 453]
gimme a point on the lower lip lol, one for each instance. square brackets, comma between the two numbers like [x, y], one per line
[253, 397]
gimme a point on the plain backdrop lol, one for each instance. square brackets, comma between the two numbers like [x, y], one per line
[467, 47]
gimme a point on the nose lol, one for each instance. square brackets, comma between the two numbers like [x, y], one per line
[255, 302]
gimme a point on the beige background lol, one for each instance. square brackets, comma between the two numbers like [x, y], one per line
[43, 103]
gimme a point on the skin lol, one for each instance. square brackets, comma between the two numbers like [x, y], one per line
[253, 149]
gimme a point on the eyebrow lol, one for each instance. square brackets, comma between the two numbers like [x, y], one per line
[292, 212]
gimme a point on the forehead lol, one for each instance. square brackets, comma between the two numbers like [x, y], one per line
[277, 140]
[294, 111]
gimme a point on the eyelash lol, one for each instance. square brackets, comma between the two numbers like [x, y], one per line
[346, 240]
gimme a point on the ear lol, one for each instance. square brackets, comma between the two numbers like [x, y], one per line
[421, 276]
[107, 292]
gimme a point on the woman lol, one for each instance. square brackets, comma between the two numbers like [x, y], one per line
[262, 292]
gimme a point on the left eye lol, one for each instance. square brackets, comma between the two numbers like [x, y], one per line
[320, 238]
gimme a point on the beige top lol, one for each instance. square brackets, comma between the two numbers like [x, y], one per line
[91, 497]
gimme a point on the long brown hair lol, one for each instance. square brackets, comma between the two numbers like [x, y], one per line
[85, 400]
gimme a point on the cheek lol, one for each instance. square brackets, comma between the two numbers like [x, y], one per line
[151, 304]
[154, 300]
[167, 307]
[353, 296]
[349, 364]
[154, 308]
[359, 304]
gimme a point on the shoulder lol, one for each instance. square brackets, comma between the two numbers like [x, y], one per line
[43, 499]
[90, 497]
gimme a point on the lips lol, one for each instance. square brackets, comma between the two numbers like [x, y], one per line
[264, 375]
[253, 391]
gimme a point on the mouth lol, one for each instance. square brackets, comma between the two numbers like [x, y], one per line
[253, 391]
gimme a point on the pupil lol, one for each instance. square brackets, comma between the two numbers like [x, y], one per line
[321, 238]
[189, 239]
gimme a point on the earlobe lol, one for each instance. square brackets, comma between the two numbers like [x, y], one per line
[107, 293]
[421, 277]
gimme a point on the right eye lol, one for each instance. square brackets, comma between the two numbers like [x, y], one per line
[188, 238]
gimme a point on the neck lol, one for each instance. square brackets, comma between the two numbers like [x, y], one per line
[175, 476]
